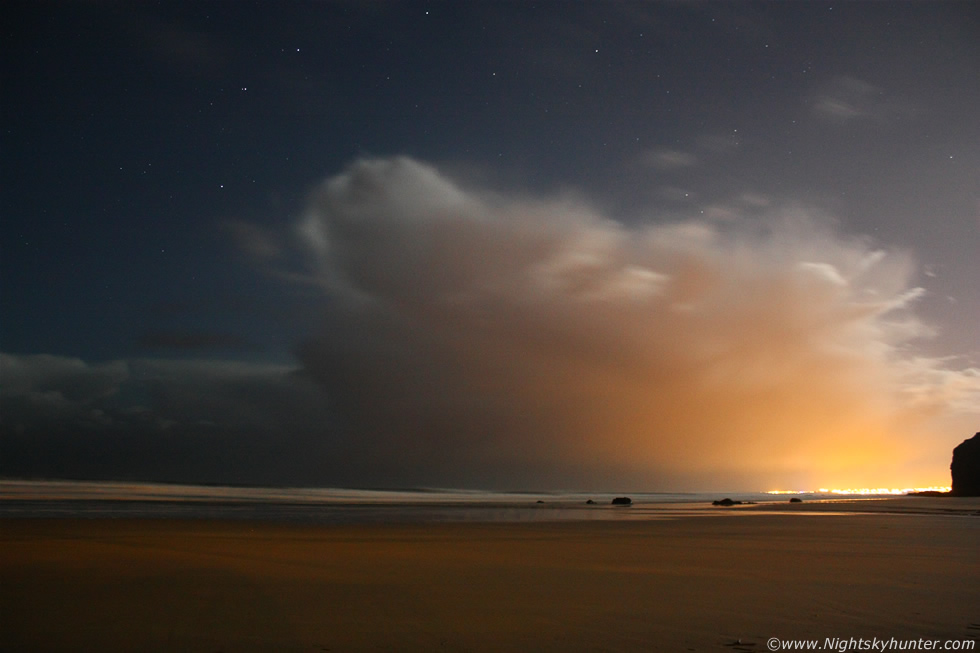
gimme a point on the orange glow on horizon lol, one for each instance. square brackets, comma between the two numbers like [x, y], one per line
[865, 491]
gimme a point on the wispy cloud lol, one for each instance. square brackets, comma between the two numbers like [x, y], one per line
[256, 241]
[846, 99]
[663, 159]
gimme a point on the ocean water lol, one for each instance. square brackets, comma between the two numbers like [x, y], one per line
[100, 500]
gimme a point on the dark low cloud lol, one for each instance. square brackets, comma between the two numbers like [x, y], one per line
[193, 421]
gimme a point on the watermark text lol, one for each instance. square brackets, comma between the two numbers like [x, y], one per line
[842, 645]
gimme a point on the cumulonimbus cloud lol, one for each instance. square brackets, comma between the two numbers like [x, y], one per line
[479, 336]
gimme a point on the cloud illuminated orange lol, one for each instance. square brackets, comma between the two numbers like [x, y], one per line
[493, 336]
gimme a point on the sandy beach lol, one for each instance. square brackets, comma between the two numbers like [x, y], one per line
[721, 582]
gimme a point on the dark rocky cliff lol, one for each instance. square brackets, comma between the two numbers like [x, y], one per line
[965, 468]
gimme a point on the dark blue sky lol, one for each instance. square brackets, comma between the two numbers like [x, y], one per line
[159, 159]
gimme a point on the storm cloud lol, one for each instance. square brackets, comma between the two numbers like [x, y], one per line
[480, 335]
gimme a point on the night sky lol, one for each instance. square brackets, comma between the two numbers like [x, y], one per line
[514, 245]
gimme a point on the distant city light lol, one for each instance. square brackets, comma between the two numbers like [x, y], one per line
[865, 490]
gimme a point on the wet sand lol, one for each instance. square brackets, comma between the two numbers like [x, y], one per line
[723, 582]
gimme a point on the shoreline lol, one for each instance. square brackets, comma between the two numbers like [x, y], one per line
[479, 510]
[897, 505]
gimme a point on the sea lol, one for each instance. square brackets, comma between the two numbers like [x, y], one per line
[107, 500]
